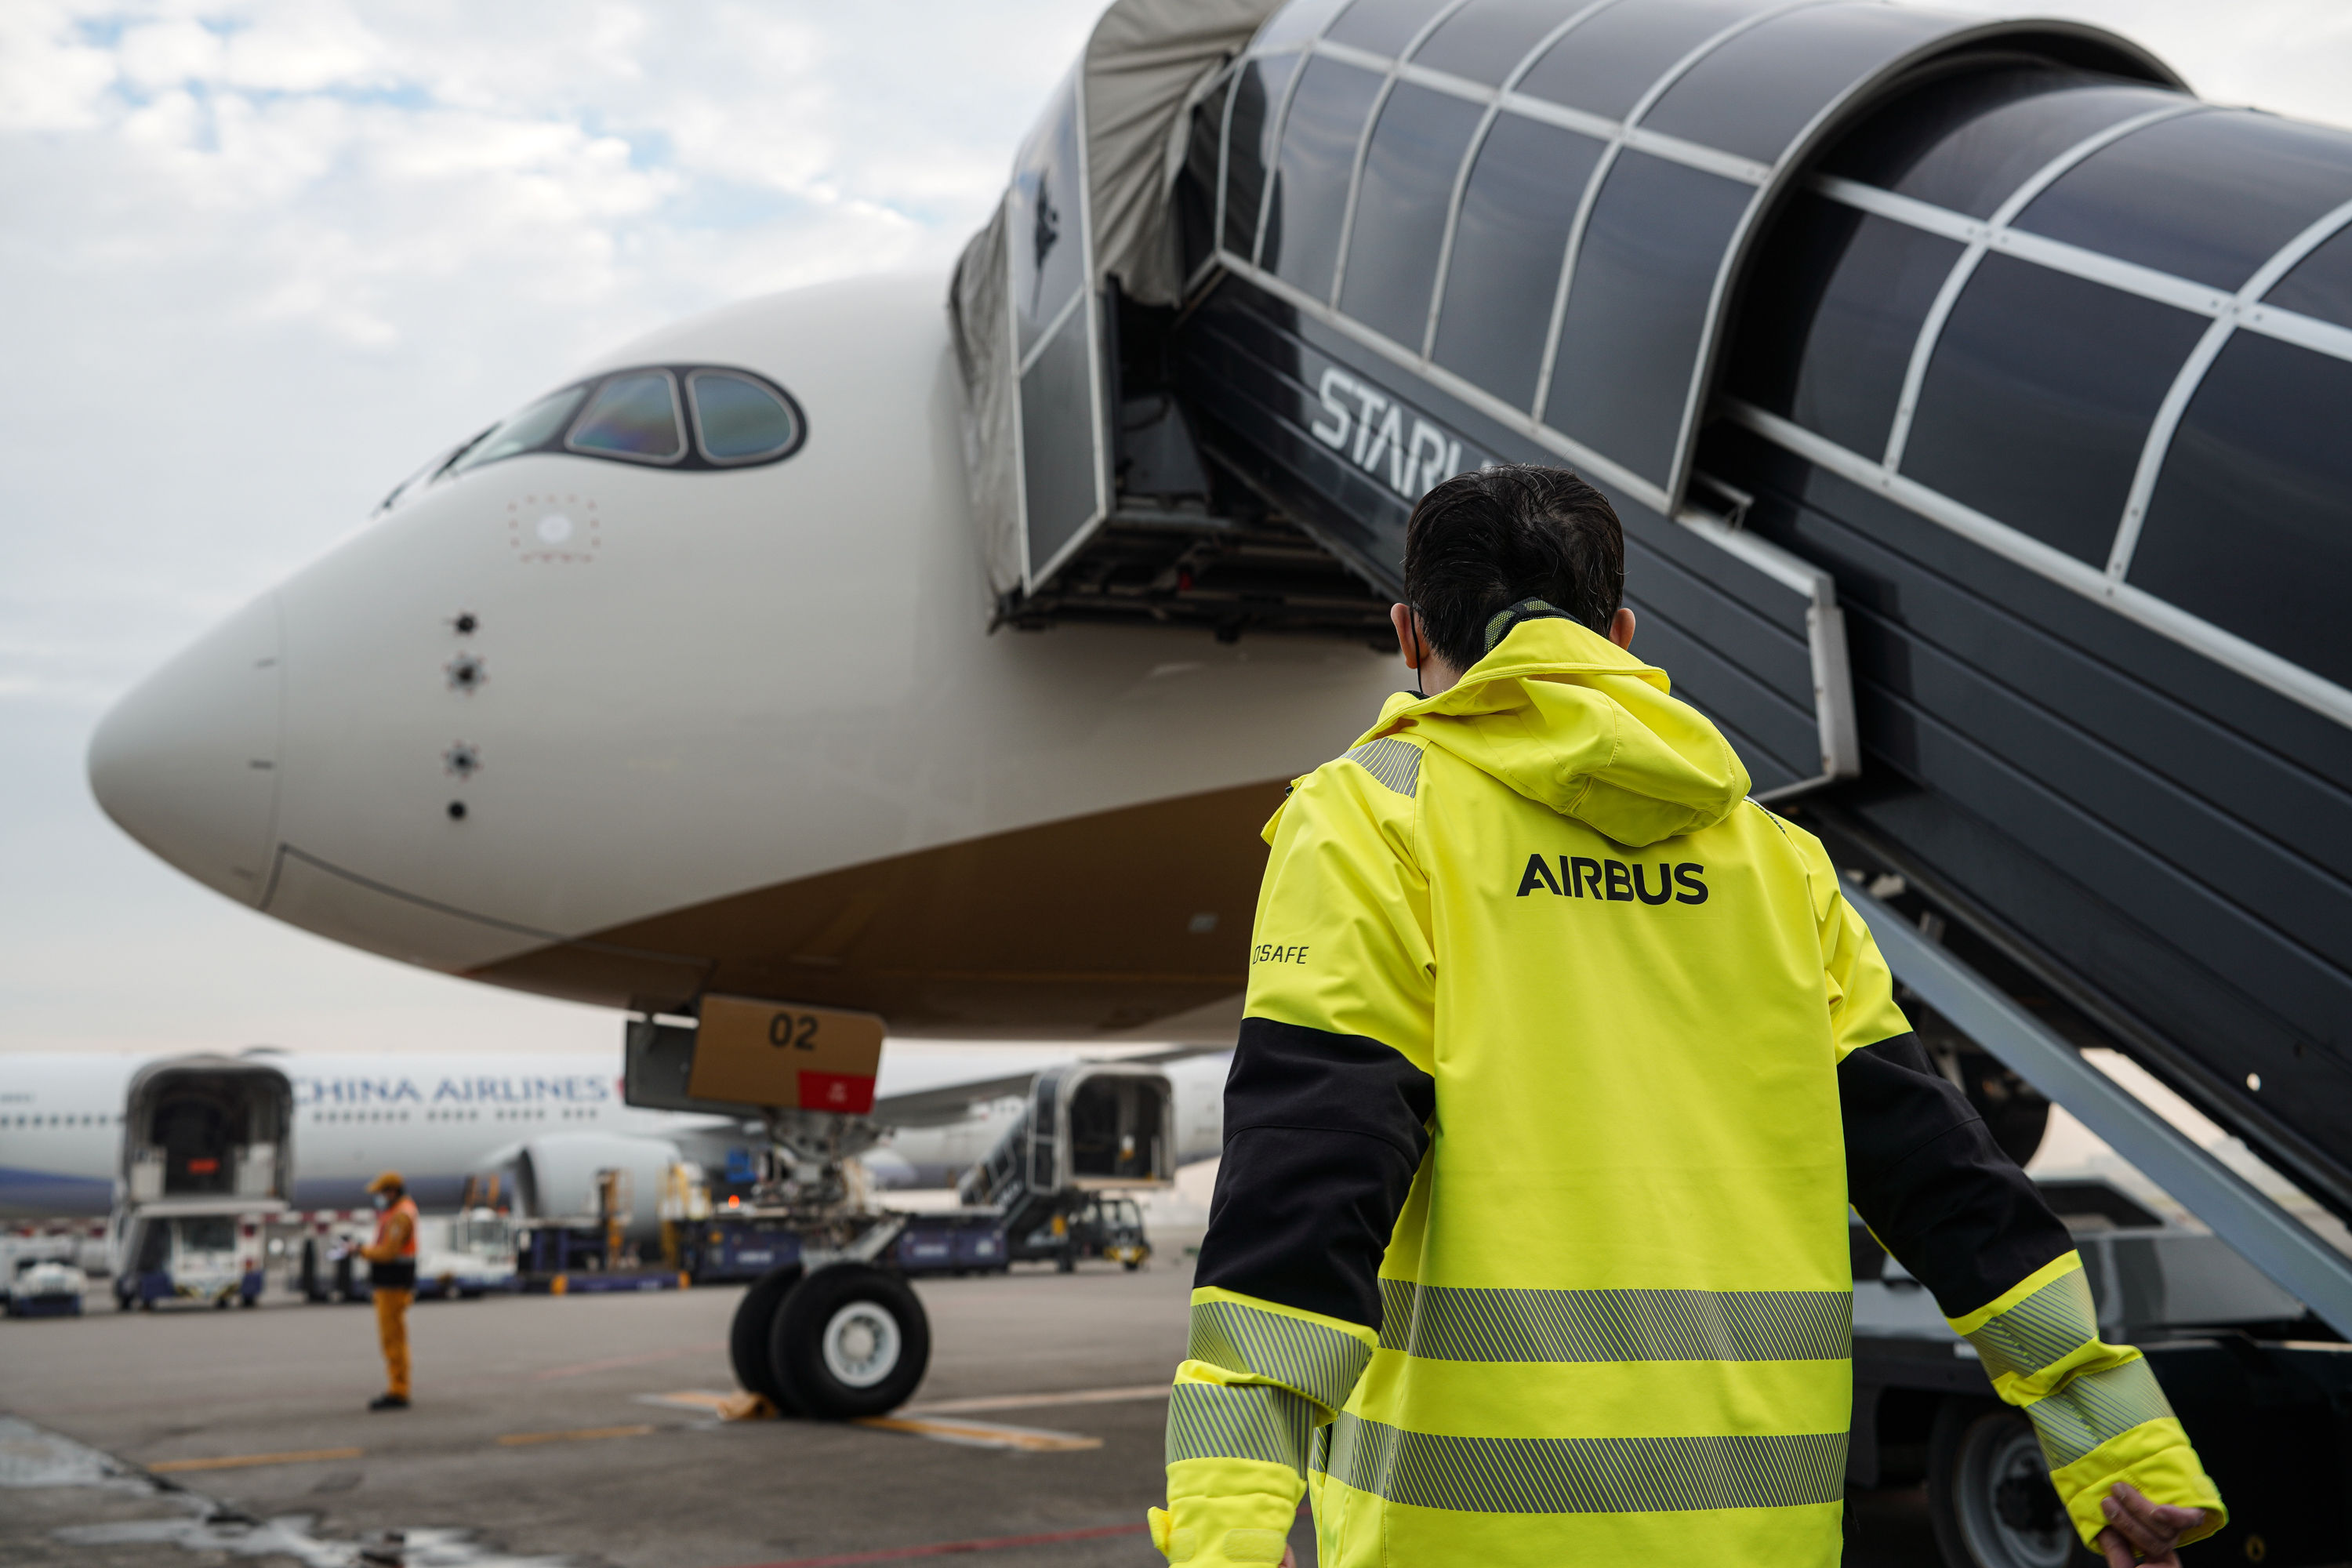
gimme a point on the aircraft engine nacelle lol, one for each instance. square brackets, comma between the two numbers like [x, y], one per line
[555, 1177]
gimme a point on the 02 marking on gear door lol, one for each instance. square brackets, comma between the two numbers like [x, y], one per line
[1614, 882]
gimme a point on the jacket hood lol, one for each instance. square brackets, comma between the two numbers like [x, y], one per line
[1568, 719]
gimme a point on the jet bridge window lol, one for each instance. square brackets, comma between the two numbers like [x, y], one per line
[2250, 526]
[1486, 38]
[1318, 159]
[2039, 400]
[1383, 26]
[2321, 283]
[1249, 145]
[1970, 142]
[1407, 184]
[1508, 245]
[632, 417]
[1606, 64]
[1835, 310]
[2208, 196]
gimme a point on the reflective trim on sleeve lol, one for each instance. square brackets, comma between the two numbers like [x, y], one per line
[1587, 1475]
[2068, 1262]
[2041, 1330]
[1318, 1357]
[1253, 1421]
[2095, 1407]
[1445, 1322]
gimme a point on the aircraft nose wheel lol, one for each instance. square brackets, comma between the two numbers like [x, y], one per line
[850, 1341]
[861, 1344]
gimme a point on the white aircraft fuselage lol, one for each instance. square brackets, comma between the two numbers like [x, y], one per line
[628, 733]
[441, 1116]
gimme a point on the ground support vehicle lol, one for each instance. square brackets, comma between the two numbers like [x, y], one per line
[2260, 1385]
[470, 1254]
[197, 1252]
[45, 1287]
[1087, 1225]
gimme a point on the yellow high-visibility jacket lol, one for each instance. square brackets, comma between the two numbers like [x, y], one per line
[1563, 1061]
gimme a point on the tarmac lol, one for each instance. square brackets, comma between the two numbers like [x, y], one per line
[576, 1432]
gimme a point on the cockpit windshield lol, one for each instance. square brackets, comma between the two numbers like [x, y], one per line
[737, 419]
[527, 431]
[633, 416]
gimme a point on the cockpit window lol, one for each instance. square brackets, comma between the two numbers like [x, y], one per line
[639, 416]
[533, 427]
[737, 419]
[633, 416]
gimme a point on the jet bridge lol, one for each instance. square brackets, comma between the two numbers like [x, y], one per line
[1970, 393]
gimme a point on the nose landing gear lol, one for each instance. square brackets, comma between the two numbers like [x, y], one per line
[843, 1341]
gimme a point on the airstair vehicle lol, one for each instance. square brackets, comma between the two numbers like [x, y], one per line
[1972, 396]
[1089, 1128]
[207, 1163]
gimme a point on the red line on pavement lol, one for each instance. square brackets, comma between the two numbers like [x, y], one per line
[946, 1548]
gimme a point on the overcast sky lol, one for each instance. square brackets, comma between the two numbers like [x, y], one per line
[257, 260]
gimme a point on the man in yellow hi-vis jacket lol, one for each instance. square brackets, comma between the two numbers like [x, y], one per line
[1561, 1062]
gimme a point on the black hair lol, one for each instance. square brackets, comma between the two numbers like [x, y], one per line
[1481, 543]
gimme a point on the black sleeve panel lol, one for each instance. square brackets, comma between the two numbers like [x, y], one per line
[1323, 1134]
[1925, 1174]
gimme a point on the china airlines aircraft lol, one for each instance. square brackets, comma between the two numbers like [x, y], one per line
[440, 1118]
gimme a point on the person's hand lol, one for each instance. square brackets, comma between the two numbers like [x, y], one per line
[1290, 1557]
[2144, 1532]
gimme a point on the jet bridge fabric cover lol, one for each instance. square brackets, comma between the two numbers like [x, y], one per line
[1103, 184]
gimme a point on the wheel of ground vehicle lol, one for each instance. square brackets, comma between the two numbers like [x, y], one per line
[851, 1341]
[754, 1326]
[1989, 1492]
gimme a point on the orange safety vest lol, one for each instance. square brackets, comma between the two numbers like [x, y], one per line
[406, 1205]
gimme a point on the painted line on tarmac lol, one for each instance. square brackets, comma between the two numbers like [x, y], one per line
[582, 1368]
[705, 1399]
[947, 1548]
[240, 1461]
[581, 1435]
[1035, 1401]
[983, 1435]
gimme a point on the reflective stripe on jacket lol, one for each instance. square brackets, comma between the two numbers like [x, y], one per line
[1530, 1245]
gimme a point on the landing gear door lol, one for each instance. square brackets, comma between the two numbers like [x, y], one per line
[746, 1055]
[1056, 321]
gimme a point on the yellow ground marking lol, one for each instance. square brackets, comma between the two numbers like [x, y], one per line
[983, 1434]
[736, 1407]
[1034, 1401]
[584, 1434]
[239, 1461]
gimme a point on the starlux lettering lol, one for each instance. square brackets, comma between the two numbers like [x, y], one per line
[1614, 882]
[1373, 436]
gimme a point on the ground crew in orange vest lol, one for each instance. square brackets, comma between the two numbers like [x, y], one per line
[392, 1278]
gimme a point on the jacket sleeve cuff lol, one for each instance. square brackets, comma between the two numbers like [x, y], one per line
[1225, 1513]
[2154, 1456]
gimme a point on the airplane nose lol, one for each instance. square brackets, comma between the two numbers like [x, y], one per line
[186, 762]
